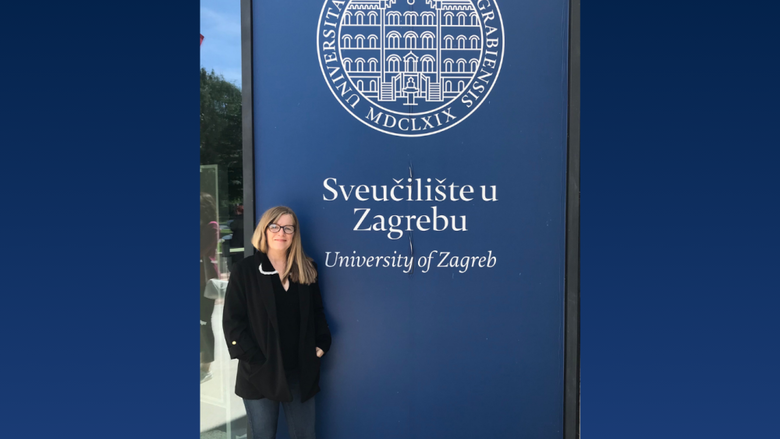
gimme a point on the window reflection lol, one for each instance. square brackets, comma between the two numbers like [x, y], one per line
[222, 413]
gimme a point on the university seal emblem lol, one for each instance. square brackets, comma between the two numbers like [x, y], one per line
[410, 67]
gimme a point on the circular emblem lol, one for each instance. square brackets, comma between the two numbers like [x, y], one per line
[410, 67]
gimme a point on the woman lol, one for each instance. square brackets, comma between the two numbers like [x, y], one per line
[274, 323]
[209, 237]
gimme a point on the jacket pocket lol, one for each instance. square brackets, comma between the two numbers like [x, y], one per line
[250, 370]
[256, 369]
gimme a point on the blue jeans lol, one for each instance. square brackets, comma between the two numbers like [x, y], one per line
[263, 414]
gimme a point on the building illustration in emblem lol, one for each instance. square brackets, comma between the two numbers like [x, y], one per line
[410, 52]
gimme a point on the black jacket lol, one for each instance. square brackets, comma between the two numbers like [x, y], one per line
[252, 333]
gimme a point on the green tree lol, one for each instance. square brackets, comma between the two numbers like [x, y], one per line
[220, 130]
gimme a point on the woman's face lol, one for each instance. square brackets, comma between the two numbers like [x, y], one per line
[280, 241]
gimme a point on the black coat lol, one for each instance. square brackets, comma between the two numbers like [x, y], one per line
[252, 333]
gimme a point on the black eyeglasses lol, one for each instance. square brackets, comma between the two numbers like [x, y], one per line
[288, 230]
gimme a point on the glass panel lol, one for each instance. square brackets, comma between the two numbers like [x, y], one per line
[222, 413]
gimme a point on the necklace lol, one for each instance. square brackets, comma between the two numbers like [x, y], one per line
[267, 273]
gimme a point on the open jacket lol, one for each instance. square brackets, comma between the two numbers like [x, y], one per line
[252, 333]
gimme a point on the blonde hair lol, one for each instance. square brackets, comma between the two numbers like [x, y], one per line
[299, 266]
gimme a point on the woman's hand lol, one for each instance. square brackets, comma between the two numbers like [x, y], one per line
[320, 352]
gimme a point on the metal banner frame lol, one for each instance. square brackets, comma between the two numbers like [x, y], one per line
[571, 397]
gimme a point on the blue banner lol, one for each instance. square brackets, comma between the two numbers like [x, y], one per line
[423, 145]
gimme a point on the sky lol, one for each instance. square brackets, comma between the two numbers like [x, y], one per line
[220, 25]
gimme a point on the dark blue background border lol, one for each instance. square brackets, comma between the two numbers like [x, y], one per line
[101, 171]
[679, 220]
[679, 212]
